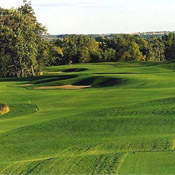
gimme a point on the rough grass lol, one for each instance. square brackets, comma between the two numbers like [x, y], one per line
[124, 119]
[95, 164]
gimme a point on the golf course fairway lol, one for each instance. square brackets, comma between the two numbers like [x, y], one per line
[90, 119]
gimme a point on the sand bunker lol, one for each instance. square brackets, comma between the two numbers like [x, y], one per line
[24, 85]
[4, 109]
[64, 87]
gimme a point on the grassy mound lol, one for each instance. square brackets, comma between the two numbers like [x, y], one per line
[4, 109]
[90, 80]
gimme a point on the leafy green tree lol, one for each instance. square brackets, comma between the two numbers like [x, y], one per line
[43, 53]
[109, 54]
[169, 41]
[20, 34]
[70, 50]
[84, 55]
[55, 56]
[144, 47]
[158, 49]
[96, 56]
[83, 49]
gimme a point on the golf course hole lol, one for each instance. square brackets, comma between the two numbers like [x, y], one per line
[4, 109]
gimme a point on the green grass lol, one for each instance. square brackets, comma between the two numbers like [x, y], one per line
[158, 163]
[121, 125]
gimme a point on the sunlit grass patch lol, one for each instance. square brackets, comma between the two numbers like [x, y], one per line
[4, 109]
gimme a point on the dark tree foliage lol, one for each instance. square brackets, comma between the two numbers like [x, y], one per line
[85, 49]
[169, 42]
[21, 43]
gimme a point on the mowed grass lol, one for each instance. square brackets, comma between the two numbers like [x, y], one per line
[149, 163]
[125, 121]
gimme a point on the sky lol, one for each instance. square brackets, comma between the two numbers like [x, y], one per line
[102, 16]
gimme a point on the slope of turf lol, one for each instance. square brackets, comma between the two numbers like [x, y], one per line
[120, 125]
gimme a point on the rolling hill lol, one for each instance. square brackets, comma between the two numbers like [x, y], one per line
[120, 120]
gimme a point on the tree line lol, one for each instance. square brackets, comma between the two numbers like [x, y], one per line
[24, 51]
[85, 49]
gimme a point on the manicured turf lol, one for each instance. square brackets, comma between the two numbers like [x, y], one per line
[121, 125]
[149, 163]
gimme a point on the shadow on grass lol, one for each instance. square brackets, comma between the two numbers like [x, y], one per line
[39, 79]
[23, 79]
[52, 79]
[74, 70]
[99, 81]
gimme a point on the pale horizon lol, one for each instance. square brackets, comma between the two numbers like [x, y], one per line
[102, 16]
